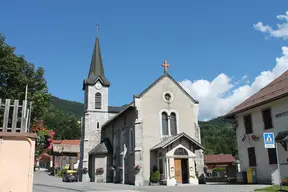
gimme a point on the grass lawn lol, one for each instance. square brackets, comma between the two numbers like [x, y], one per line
[273, 188]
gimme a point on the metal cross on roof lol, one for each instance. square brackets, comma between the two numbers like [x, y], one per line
[97, 28]
[165, 65]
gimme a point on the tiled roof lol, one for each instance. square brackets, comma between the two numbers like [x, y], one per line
[274, 90]
[116, 109]
[168, 140]
[67, 142]
[222, 158]
[102, 148]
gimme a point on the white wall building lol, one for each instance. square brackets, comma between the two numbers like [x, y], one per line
[265, 111]
[159, 128]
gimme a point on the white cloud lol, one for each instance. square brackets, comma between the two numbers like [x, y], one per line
[221, 95]
[280, 32]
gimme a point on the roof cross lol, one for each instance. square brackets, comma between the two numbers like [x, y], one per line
[97, 28]
[165, 65]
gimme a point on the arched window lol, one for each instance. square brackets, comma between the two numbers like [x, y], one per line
[132, 141]
[180, 151]
[98, 100]
[164, 123]
[173, 124]
[122, 141]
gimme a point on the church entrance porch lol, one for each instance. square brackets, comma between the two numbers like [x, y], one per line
[176, 160]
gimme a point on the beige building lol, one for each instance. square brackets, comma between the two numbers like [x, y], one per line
[158, 129]
[265, 111]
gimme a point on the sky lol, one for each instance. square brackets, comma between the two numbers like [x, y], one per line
[221, 52]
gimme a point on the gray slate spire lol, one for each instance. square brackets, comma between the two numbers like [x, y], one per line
[96, 68]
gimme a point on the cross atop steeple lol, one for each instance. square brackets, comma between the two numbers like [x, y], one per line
[97, 28]
[165, 65]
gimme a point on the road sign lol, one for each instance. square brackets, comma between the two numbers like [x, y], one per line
[269, 140]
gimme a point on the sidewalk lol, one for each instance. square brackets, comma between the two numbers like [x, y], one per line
[43, 179]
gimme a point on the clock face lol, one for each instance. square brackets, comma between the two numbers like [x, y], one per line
[98, 85]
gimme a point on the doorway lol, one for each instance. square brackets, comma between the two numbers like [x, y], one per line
[185, 170]
[181, 170]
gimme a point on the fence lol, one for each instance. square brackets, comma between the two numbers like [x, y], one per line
[17, 147]
[15, 117]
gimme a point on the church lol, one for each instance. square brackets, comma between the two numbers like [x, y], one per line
[157, 130]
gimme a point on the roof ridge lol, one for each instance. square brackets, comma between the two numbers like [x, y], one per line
[262, 96]
[276, 89]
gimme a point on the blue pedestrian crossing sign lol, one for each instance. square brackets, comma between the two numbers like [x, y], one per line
[269, 140]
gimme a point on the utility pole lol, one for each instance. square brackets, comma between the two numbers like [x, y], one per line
[26, 92]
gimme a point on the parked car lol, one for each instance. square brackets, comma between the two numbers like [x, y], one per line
[70, 176]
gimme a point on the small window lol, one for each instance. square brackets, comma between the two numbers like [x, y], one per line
[132, 140]
[167, 97]
[252, 156]
[248, 124]
[164, 123]
[98, 100]
[122, 141]
[272, 156]
[267, 119]
[98, 125]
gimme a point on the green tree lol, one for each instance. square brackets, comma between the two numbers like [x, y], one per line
[65, 126]
[218, 136]
[16, 73]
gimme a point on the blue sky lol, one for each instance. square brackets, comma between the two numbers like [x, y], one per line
[200, 40]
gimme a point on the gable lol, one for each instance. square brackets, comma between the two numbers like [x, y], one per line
[173, 81]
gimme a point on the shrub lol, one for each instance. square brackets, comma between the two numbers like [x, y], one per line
[285, 182]
[219, 169]
[155, 177]
[59, 173]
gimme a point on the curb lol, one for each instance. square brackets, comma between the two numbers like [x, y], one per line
[78, 190]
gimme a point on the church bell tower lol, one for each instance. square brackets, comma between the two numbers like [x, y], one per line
[95, 88]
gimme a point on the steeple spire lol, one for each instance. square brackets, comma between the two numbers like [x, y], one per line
[96, 70]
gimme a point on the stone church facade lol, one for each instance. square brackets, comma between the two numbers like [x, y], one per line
[159, 128]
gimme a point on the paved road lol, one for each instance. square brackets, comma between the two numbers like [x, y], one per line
[45, 183]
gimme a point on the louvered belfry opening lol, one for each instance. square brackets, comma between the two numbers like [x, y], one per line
[98, 100]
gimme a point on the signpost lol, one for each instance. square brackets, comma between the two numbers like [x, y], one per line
[269, 142]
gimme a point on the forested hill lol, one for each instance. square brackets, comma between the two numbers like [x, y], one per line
[68, 107]
[218, 135]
